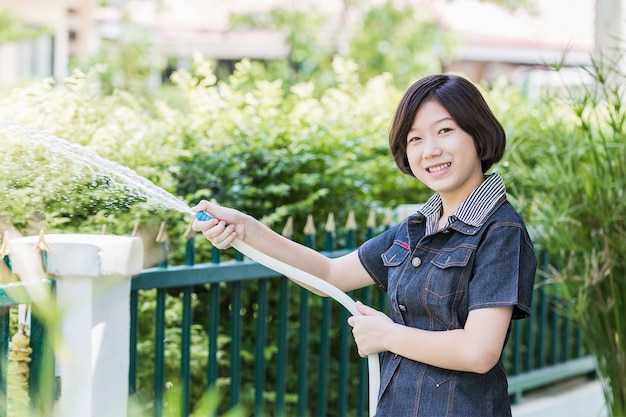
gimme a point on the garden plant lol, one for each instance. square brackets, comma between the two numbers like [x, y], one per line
[569, 171]
[279, 150]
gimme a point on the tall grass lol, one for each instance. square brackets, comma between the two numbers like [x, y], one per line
[573, 191]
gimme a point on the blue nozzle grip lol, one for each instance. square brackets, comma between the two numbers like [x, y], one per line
[203, 216]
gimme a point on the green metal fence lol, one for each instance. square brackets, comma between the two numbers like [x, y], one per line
[273, 364]
[258, 341]
[287, 352]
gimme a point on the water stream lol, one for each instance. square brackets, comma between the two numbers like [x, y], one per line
[24, 149]
[21, 148]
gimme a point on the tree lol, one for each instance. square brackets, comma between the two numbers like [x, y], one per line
[414, 43]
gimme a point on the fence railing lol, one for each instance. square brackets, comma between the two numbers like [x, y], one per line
[267, 322]
[271, 363]
[285, 351]
[254, 340]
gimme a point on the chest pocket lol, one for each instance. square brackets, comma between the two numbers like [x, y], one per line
[395, 255]
[459, 256]
[446, 283]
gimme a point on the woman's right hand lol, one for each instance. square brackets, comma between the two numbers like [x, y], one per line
[226, 224]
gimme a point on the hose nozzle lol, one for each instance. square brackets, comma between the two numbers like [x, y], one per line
[203, 216]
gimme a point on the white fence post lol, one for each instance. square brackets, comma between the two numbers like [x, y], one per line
[92, 274]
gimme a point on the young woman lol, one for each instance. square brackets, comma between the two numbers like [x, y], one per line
[456, 272]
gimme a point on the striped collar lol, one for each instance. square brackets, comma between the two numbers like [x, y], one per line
[474, 211]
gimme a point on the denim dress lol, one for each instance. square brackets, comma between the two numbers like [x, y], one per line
[433, 281]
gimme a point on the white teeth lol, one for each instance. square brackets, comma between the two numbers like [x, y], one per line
[439, 168]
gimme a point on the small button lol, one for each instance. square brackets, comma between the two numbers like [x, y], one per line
[402, 308]
[416, 261]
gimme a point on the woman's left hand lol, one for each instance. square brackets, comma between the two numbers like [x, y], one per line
[369, 330]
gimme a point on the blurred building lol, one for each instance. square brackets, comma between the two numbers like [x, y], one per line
[71, 27]
[495, 41]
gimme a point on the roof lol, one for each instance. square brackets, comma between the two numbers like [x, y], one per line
[493, 33]
[490, 32]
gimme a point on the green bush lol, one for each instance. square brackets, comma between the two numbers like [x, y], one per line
[278, 153]
[569, 168]
[245, 142]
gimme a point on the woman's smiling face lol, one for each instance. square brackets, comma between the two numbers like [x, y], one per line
[442, 155]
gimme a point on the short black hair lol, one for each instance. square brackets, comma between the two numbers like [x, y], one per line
[465, 104]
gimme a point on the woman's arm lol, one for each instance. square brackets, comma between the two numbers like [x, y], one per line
[475, 348]
[345, 273]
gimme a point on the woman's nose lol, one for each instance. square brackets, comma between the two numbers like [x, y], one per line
[431, 148]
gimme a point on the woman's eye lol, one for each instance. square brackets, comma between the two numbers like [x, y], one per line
[445, 130]
[413, 139]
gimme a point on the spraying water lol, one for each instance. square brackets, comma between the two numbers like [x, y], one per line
[82, 160]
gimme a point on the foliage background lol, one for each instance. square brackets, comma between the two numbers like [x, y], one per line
[248, 141]
[309, 136]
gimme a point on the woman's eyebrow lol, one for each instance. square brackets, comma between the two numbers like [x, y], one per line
[435, 123]
[443, 119]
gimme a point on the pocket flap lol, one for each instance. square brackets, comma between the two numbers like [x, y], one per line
[396, 254]
[458, 256]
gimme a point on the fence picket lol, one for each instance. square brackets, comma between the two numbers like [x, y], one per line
[542, 349]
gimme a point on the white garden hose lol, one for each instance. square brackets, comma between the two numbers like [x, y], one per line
[302, 277]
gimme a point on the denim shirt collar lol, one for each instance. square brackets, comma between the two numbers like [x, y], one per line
[473, 212]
